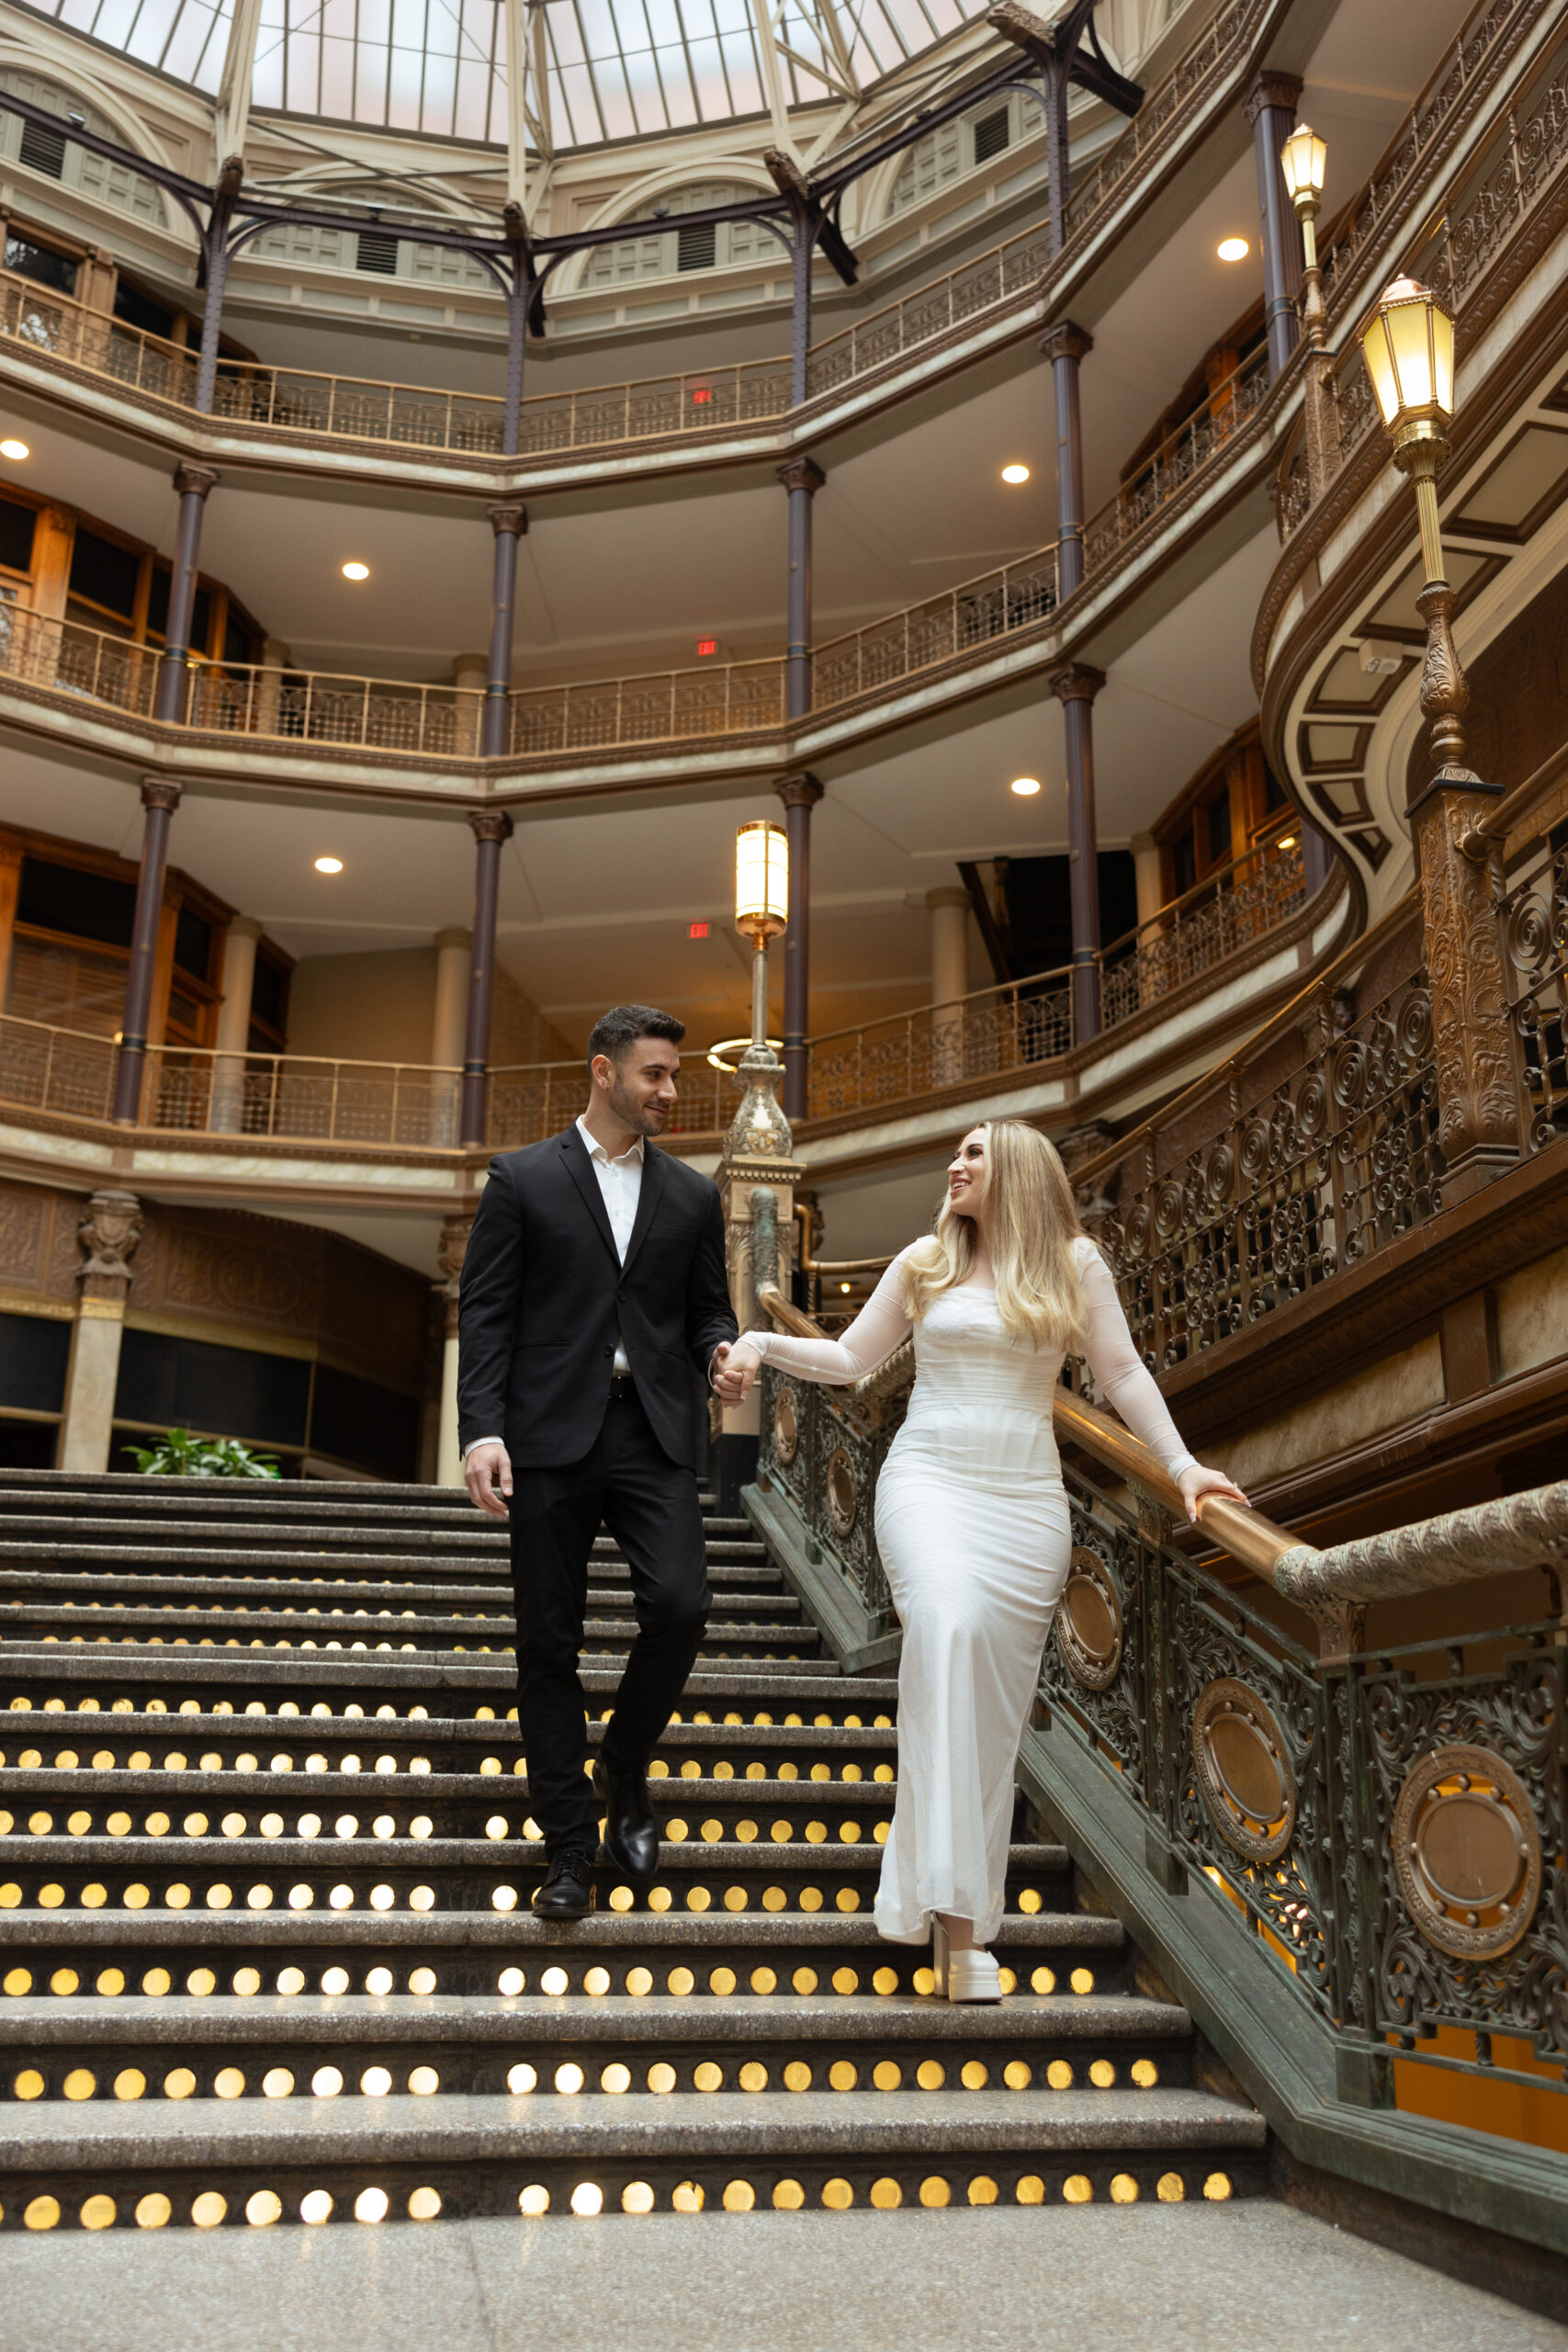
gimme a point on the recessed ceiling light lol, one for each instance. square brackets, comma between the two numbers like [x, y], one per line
[329, 865]
[1026, 785]
[846, 1287]
[15, 450]
[1233, 248]
[1015, 473]
[356, 571]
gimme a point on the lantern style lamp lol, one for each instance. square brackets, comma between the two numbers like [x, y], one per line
[762, 905]
[1302, 159]
[1408, 346]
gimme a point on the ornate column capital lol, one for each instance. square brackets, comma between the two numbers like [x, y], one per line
[512, 517]
[160, 792]
[801, 790]
[1272, 89]
[108, 1230]
[491, 824]
[950, 895]
[1076, 682]
[195, 481]
[802, 473]
[1065, 341]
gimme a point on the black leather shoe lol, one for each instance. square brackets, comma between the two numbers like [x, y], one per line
[568, 1890]
[631, 1833]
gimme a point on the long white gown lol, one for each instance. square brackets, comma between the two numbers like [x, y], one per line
[973, 1527]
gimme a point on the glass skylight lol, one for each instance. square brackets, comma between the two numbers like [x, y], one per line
[617, 69]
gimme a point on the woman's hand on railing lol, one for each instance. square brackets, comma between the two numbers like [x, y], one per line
[735, 1369]
[1198, 1482]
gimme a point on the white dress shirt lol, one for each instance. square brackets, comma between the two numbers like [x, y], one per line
[620, 1182]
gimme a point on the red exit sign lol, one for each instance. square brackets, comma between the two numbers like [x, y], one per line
[696, 931]
[707, 646]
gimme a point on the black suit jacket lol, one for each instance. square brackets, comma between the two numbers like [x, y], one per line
[544, 1298]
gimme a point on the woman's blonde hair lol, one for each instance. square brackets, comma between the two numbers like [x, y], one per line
[1031, 1222]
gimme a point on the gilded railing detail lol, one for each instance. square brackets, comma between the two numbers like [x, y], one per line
[1533, 907]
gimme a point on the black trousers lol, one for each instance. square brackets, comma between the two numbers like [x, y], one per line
[628, 1484]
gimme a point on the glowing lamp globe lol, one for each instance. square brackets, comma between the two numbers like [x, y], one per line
[1303, 159]
[761, 879]
[1408, 346]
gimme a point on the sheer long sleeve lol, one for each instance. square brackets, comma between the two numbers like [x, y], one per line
[1123, 1378]
[881, 1326]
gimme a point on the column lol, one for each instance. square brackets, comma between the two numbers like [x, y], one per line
[455, 1232]
[800, 795]
[470, 672]
[509, 524]
[1076, 689]
[491, 827]
[234, 1026]
[272, 715]
[1272, 110]
[10, 890]
[192, 483]
[803, 478]
[446, 1030]
[949, 911]
[1065, 346]
[109, 1230]
[160, 798]
[1148, 879]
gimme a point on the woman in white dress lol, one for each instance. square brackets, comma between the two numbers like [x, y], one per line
[972, 1519]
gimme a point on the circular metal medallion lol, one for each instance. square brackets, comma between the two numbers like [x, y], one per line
[786, 1428]
[843, 1498]
[1088, 1620]
[1467, 1851]
[1244, 1774]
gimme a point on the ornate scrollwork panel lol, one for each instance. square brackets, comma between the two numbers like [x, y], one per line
[1244, 1772]
[786, 1428]
[1467, 1851]
[843, 1494]
[1088, 1622]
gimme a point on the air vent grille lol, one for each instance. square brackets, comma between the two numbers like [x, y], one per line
[378, 254]
[697, 248]
[43, 151]
[991, 134]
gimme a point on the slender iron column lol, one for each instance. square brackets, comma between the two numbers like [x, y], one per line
[1272, 110]
[491, 827]
[508, 522]
[803, 478]
[800, 793]
[1076, 689]
[215, 261]
[192, 483]
[1065, 346]
[160, 798]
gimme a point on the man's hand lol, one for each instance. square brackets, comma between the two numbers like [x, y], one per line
[487, 1473]
[735, 1368]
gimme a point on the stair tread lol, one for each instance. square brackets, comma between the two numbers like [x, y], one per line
[510, 1934]
[691, 2126]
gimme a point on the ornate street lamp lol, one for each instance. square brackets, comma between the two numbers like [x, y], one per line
[1408, 346]
[1302, 159]
[761, 905]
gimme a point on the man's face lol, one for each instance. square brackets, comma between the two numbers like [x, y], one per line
[641, 1086]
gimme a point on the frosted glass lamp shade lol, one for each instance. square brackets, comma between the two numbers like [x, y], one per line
[762, 877]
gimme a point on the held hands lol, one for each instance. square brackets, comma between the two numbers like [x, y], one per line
[1197, 1482]
[487, 1473]
[735, 1369]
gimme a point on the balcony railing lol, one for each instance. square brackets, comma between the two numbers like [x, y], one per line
[302, 401]
[531, 1100]
[1250, 897]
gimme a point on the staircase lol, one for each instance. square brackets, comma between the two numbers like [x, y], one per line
[264, 1875]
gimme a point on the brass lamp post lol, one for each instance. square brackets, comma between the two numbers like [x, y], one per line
[761, 905]
[1408, 346]
[1303, 158]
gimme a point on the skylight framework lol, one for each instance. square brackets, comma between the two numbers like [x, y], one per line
[615, 68]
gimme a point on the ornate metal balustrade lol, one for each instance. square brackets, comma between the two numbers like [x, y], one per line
[1314, 1152]
[966, 619]
[980, 1038]
[295, 401]
[674, 706]
[1533, 907]
[1179, 460]
[1254, 896]
[530, 1100]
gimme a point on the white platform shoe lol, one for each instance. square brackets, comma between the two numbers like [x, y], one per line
[963, 1975]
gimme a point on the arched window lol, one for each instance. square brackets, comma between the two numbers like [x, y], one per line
[38, 147]
[965, 145]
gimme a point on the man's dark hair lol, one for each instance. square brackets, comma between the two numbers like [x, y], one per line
[616, 1031]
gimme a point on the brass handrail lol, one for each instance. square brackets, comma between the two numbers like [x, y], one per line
[1498, 822]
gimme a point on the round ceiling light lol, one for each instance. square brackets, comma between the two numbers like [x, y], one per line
[329, 865]
[1026, 786]
[1015, 473]
[1233, 249]
[15, 450]
[356, 571]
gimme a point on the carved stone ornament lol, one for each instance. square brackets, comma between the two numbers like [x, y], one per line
[1088, 1622]
[786, 1428]
[109, 1229]
[759, 1129]
[843, 1494]
[1467, 1852]
[1244, 1774]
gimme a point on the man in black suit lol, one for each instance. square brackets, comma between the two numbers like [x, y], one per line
[594, 1279]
